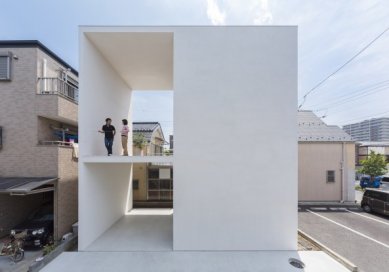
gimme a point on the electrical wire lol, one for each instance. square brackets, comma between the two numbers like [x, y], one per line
[341, 67]
[364, 117]
[353, 93]
[353, 98]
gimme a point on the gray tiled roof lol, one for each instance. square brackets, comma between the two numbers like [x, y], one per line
[145, 128]
[312, 129]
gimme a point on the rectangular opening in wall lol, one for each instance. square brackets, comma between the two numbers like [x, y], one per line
[152, 126]
[134, 81]
[148, 225]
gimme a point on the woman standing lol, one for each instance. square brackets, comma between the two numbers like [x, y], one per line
[124, 133]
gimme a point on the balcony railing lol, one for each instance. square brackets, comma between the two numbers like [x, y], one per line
[53, 85]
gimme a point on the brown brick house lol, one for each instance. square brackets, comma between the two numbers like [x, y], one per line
[38, 121]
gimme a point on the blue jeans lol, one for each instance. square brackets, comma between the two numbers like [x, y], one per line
[108, 144]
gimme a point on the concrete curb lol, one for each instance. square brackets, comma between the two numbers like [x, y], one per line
[66, 245]
[349, 265]
[307, 203]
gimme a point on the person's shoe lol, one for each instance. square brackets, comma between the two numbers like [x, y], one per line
[109, 154]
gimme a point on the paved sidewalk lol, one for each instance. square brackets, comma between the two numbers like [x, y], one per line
[6, 265]
[226, 261]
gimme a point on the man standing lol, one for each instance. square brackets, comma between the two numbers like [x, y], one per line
[109, 131]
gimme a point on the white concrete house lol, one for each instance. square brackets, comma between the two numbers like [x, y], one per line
[225, 79]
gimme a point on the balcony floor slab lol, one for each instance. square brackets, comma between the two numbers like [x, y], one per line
[127, 159]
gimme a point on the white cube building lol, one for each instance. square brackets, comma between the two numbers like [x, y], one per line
[235, 131]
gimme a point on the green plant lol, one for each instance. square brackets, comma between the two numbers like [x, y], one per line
[374, 165]
[168, 152]
[48, 248]
[139, 140]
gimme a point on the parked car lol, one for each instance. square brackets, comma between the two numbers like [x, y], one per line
[365, 182]
[375, 200]
[39, 226]
[385, 179]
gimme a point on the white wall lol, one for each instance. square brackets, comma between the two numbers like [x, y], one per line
[103, 93]
[235, 157]
[103, 189]
[235, 153]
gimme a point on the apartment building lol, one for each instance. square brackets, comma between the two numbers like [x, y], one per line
[326, 161]
[372, 130]
[38, 121]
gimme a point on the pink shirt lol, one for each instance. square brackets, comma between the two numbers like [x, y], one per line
[125, 130]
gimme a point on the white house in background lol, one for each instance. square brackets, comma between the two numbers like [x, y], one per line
[236, 84]
[326, 161]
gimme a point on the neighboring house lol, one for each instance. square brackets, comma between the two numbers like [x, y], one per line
[38, 122]
[326, 159]
[372, 130]
[152, 183]
[363, 150]
[153, 135]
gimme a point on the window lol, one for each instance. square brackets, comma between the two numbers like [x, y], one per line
[135, 184]
[154, 173]
[160, 184]
[330, 176]
[378, 195]
[5, 66]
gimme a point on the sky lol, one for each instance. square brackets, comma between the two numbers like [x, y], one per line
[330, 33]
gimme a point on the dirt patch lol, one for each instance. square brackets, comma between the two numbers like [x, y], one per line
[305, 245]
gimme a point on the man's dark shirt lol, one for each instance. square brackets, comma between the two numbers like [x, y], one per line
[108, 130]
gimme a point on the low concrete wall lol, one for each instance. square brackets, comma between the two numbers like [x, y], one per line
[67, 245]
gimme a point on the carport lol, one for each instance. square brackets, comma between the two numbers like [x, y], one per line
[26, 185]
[19, 196]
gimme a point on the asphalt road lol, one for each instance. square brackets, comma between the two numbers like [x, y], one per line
[360, 237]
[7, 265]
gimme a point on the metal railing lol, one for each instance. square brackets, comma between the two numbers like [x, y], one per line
[56, 143]
[54, 85]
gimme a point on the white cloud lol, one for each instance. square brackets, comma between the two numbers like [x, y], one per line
[239, 12]
[263, 14]
[214, 13]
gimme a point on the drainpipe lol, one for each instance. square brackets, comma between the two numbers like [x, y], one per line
[342, 170]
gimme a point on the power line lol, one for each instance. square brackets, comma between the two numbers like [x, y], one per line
[341, 67]
[354, 97]
[363, 90]
[365, 117]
